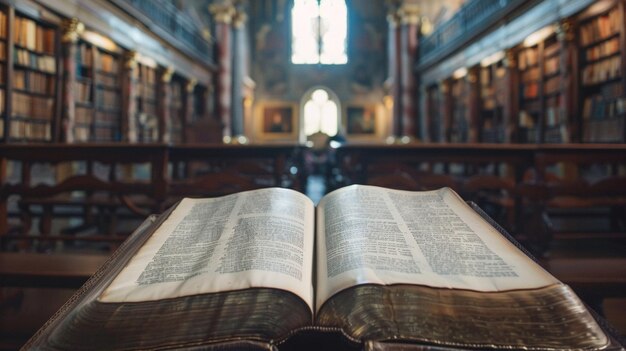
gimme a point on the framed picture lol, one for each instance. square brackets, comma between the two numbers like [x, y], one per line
[361, 119]
[278, 119]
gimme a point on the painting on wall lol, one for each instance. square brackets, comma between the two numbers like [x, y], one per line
[278, 119]
[361, 119]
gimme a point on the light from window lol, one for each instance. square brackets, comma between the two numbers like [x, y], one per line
[320, 114]
[319, 32]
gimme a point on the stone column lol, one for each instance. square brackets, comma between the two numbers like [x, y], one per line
[164, 103]
[445, 110]
[238, 62]
[395, 67]
[223, 14]
[566, 37]
[129, 99]
[409, 29]
[71, 31]
[473, 104]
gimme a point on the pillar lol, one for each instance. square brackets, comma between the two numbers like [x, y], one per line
[238, 63]
[570, 127]
[409, 29]
[164, 103]
[223, 14]
[71, 31]
[129, 99]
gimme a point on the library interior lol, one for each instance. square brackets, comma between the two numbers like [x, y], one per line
[114, 110]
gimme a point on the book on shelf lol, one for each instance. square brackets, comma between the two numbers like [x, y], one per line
[372, 265]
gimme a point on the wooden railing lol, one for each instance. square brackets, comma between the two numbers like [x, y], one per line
[472, 19]
[166, 17]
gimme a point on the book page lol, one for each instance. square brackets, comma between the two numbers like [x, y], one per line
[369, 234]
[260, 238]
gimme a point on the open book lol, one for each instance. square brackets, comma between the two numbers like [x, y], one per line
[376, 264]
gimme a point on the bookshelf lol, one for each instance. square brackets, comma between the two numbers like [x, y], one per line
[554, 113]
[529, 114]
[107, 82]
[433, 106]
[459, 127]
[3, 67]
[34, 78]
[146, 120]
[493, 87]
[601, 57]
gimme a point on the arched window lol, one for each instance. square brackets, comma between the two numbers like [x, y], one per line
[319, 31]
[321, 113]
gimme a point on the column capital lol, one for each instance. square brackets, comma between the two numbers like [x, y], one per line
[410, 14]
[444, 86]
[240, 17]
[167, 75]
[400, 13]
[191, 85]
[565, 30]
[223, 13]
[72, 29]
[510, 58]
[130, 59]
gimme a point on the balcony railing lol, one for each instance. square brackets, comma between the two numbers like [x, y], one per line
[164, 15]
[472, 18]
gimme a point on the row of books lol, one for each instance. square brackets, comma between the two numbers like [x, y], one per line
[551, 66]
[597, 107]
[607, 131]
[554, 113]
[530, 90]
[3, 28]
[32, 60]
[145, 74]
[82, 133]
[603, 49]
[552, 49]
[526, 119]
[146, 91]
[601, 27]
[108, 118]
[107, 80]
[533, 106]
[33, 36]
[527, 58]
[107, 99]
[111, 133]
[34, 82]
[602, 71]
[552, 85]
[35, 107]
[30, 129]
[108, 63]
[84, 56]
[82, 92]
[530, 75]
[83, 115]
